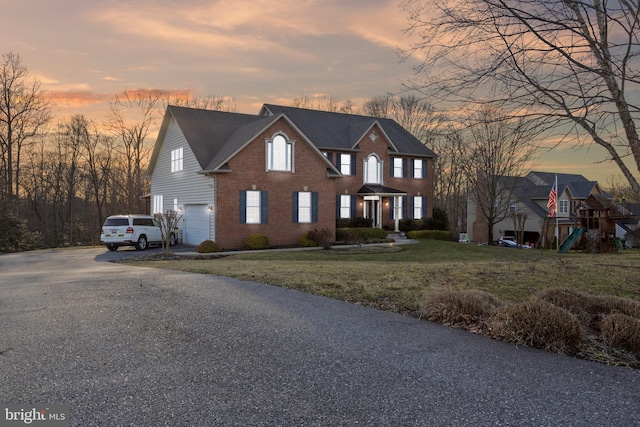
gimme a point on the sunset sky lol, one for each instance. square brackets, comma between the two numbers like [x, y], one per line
[253, 51]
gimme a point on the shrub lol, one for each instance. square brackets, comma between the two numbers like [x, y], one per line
[359, 235]
[317, 237]
[580, 304]
[431, 234]
[207, 246]
[307, 240]
[256, 241]
[589, 309]
[354, 222]
[459, 308]
[622, 331]
[536, 324]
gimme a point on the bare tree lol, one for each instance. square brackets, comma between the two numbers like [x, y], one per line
[24, 110]
[574, 61]
[206, 102]
[323, 103]
[168, 226]
[416, 114]
[97, 152]
[131, 120]
[451, 182]
[498, 152]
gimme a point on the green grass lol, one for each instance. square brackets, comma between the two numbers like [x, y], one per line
[396, 278]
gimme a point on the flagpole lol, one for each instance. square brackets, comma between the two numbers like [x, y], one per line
[556, 208]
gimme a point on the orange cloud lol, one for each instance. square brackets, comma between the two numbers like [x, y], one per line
[74, 99]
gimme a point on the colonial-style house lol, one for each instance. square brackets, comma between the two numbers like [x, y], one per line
[530, 195]
[284, 172]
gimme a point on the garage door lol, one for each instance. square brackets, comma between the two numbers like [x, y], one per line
[196, 224]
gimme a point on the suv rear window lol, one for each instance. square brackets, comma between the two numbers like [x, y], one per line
[116, 222]
[143, 221]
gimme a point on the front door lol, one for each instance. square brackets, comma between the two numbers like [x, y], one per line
[373, 211]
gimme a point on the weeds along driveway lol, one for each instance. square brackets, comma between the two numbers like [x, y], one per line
[144, 346]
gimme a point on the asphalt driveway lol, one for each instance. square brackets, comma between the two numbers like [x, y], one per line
[125, 346]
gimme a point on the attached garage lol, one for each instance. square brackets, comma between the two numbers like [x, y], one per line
[196, 224]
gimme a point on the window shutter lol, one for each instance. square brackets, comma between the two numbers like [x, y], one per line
[243, 207]
[330, 157]
[424, 207]
[353, 164]
[294, 210]
[353, 213]
[405, 167]
[404, 206]
[338, 207]
[424, 169]
[392, 166]
[264, 207]
[314, 206]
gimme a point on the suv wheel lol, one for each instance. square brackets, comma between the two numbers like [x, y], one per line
[173, 239]
[141, 245]
[112, 247]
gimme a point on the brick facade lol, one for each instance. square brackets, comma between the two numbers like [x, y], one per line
[248, 172]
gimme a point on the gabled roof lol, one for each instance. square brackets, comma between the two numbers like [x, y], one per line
[216, 136]
[536, 186]
[340, 131]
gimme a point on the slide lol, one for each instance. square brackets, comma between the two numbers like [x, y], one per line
[571, 239]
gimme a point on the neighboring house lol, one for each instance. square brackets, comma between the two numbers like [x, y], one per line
[284, 172]
[530, 197]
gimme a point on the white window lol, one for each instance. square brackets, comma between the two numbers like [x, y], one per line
[417, 207]
[398, 170]
[345, 164]
[512, 207]
[279, 154]
[304, 207]
[177, 159]
[175, 205]
[372, 170]
[345, 206]
[563, 207]
[157, 206]
[418, 166]
[253, 207]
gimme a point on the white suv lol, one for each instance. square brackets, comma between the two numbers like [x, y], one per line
[140, 231]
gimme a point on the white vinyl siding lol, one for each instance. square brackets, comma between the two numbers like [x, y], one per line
[186, 188]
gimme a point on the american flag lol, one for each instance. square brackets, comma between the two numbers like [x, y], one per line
[551, 204]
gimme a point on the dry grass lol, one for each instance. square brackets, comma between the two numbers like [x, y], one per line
[537, 324]
[467, 309]
[622, 331]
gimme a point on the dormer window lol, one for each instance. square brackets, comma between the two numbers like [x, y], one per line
[279, 154]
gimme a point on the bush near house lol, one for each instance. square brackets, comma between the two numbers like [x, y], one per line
[316, 238]
[256, 241]
[360, 235]
[358, 222]
[431, 234]
[207, 246]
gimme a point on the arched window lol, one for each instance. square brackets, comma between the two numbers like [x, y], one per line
[279, 154]
[373, 170]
